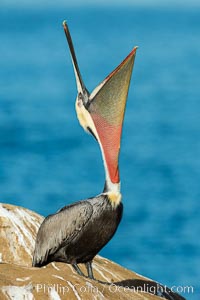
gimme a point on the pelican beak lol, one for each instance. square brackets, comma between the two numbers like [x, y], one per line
[102, 112]
[82, 91]
[107, 108]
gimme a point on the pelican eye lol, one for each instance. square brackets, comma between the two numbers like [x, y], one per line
[80, 100]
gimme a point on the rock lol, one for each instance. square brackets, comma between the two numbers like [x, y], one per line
[19, 227]
[57, 281]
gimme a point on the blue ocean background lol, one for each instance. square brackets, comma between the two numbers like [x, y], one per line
[47, 161]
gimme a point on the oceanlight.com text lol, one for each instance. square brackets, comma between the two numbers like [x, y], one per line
[155, 289]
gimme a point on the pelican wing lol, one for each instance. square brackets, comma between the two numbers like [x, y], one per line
[60, 229]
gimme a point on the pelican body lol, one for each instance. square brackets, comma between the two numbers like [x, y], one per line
[77, 232]
[92, 222]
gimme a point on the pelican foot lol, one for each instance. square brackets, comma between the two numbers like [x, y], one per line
[78, 270]
[89, 270]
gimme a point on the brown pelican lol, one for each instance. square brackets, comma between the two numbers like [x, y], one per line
[77, 232]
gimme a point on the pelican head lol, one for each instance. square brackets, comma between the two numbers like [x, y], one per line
[101, 113]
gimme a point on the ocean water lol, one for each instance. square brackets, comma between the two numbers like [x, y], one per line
[47, 161]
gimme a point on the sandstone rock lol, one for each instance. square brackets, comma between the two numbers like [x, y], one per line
[57, 281]
[19, 227]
